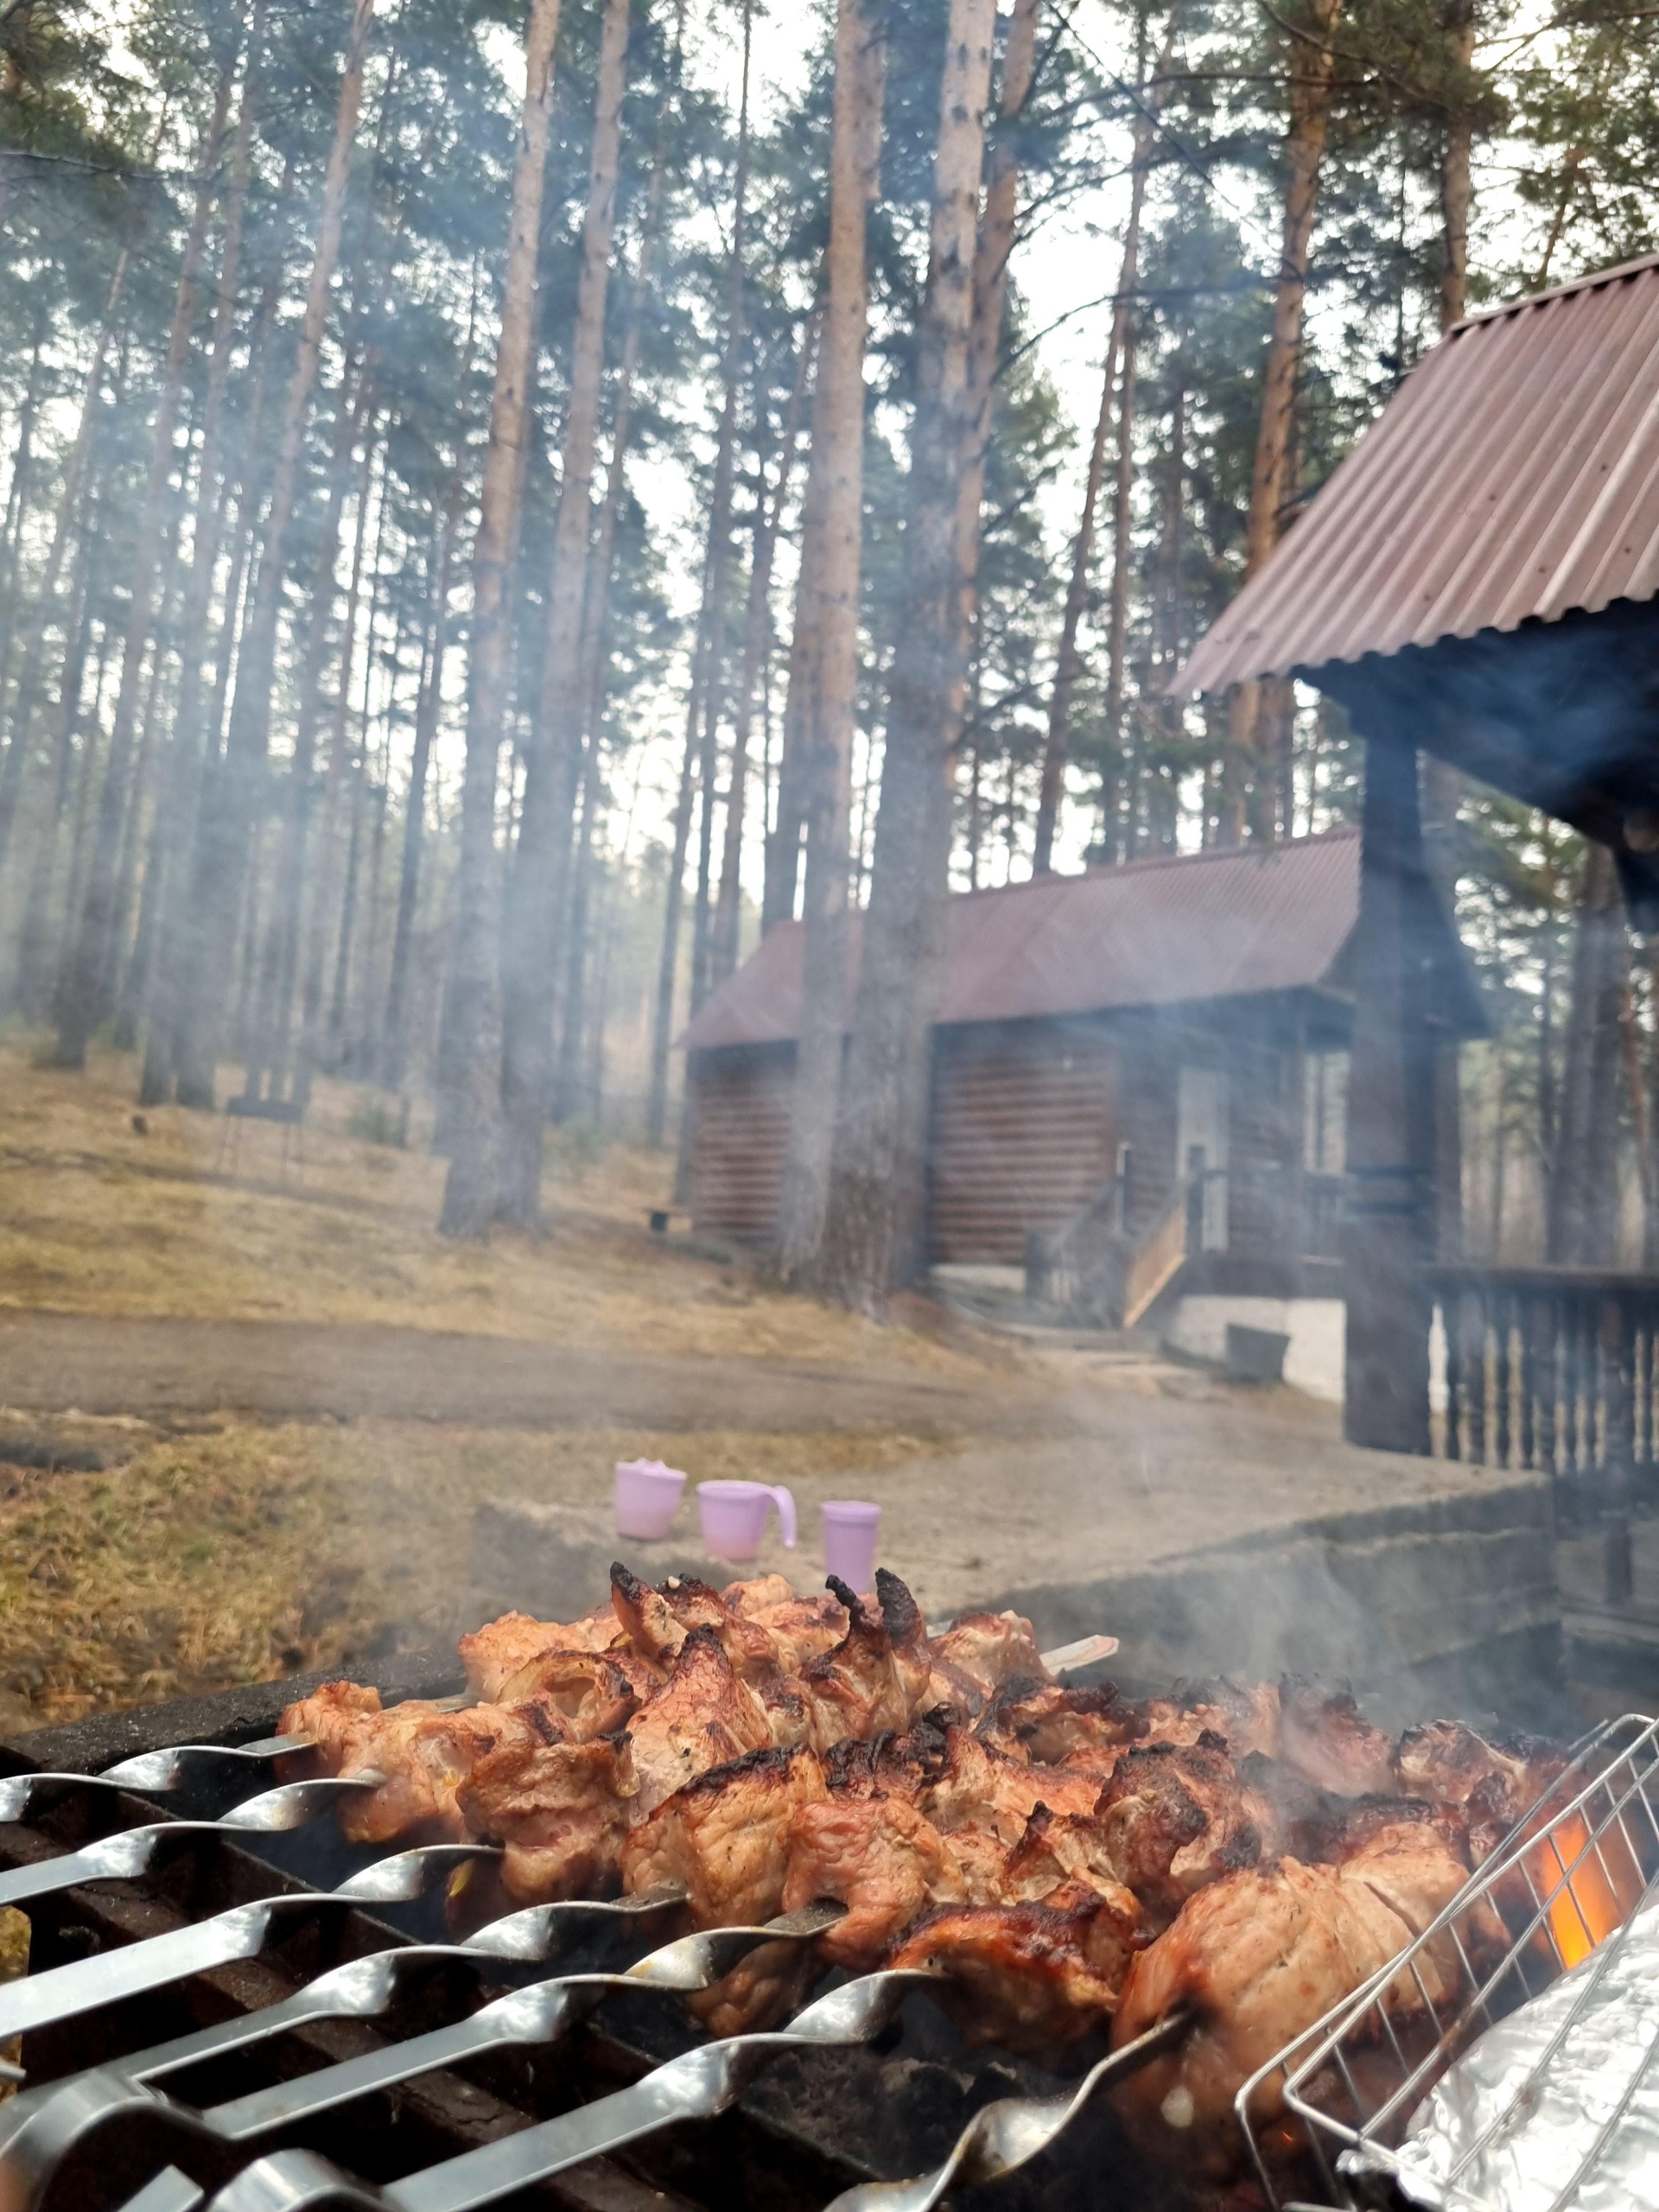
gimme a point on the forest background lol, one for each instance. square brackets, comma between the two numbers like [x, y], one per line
[503, 502]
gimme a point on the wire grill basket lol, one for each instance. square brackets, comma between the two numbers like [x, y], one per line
[1574, 1873]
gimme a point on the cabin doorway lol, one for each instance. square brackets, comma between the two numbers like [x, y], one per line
[1201, 1152]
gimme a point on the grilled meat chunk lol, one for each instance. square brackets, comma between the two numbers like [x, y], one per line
[1031, 1977]
[1495, 1784]
[1323, 1737]
[989, 1649]
[1174, 1818]
[882, 1859]
[1087, 1730]
[701, 1717]
[1057, 1851]
[800, 1628]
[329, 1716]
[723, 1835]
[1246, 1716]
[979, 1788]
[427, 1757]
[862, 1686]
[591, 1692]
[556, 1808]
[1262, 1955]
[492, 1654]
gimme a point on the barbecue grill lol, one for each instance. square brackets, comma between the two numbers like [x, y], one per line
[814, 2124]
[1574, 1873]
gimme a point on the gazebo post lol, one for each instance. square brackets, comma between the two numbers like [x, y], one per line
[1391, 1114]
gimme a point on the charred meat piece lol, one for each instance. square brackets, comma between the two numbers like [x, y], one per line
[555, 1807]
[701, 1717]
[1175, 1818]
[800, 1628]
[330, 1716]
[659, 1620]
[492, 1654]
[591, 1692]
[1262, 1955]
[1031, 1977]
[1246, 1716]
[1054, 1725]
[1323, 1737]
[862, 1686]
[880, 1858]
[1058, 1850]
[1496, 1784]
[979, 1788]
[723, 1836]
[913, 1655]
[987, 1649]
[428, 1757]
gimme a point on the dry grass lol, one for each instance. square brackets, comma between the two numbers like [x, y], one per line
[97, 1216]
[240, 1553]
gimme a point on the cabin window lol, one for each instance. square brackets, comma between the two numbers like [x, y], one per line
[1201, 1148]
[1325, 1119]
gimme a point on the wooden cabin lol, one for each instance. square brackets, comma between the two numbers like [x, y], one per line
[1479, 579]
[1156, 1051]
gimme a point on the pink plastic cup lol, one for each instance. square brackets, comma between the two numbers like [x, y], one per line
[734, 1516]
[851, 1529]
[647, 1498]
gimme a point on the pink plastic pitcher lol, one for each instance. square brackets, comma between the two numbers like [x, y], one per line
[647, 1498]
[734, 1516]
[850, 1527]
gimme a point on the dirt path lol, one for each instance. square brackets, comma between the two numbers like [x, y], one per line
[56, 1362]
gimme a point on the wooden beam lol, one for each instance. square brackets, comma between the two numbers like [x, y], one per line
[1390, 1232]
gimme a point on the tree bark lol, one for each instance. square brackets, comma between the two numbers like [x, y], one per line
[173, 836]
[538, 880]
[1118, 826]
[823, 676]
[471, 1007]
[85, 999]
[17, 499]
[873, 1178]
[1056, 746]
[757, 638]
[26, 698]
[1457, 186]
[1312, 63]
[233, 794]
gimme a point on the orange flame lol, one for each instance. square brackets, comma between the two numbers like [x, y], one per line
[1591, 1889]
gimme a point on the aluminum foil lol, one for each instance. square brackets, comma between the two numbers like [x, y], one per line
[1557, 2106]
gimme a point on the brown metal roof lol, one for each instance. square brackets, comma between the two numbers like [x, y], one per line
[1513, 474]
[1154, 932]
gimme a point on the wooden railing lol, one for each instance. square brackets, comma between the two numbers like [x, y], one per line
[1555, 1370]
[1159, 1254]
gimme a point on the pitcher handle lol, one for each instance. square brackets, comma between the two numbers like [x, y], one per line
[785, 1504]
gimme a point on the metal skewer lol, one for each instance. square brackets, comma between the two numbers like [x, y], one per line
[1003, 2136]
[697, 2086]
[129, 1854]
[537, 2015]
[65, 1993]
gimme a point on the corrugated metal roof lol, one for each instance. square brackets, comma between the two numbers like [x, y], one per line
[1513, 474]
[1154, 932]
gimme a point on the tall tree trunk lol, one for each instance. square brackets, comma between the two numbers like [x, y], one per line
[539, 877]
[720, 556]
[823, 678]
[1118, 825]
[35, 949]
[84, 999]
[429, 706]
[174, 834]
[1457, 184]
[698, 769]
[1057, 744]
[872, 1179]
[757, 639]
[26, 698]
[231, 799]
[472, 1005]
[17, 501]
[1312, 63]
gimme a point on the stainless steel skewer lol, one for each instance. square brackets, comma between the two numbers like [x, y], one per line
[1003, 2136]
[31, 2152]
[64, 1992]
[129, 1852]
[696, 2086]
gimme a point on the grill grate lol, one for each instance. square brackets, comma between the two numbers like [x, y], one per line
[1575, 1873]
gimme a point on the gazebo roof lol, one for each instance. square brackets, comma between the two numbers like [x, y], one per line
[1513, 477]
